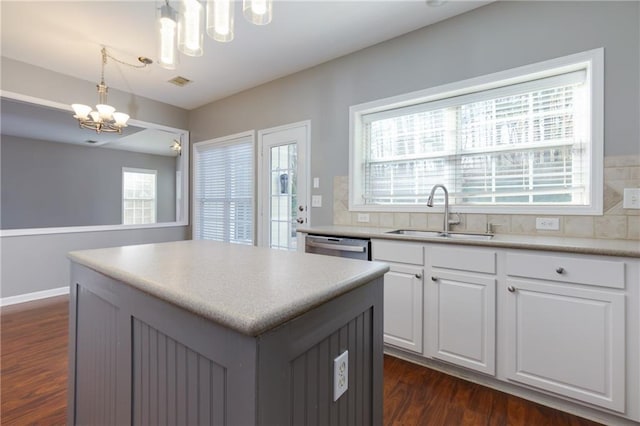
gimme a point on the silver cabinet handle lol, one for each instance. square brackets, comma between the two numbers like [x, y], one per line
[434, 278]
[418, 276]
[511, 289]
[560, 270]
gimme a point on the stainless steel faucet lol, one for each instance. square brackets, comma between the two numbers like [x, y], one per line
[447, 222]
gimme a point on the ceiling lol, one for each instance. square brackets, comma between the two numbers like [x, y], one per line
[66, 37]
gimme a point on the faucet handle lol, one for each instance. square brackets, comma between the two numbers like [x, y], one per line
[455, 221]
[490, 227]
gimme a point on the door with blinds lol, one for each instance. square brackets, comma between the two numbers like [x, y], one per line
[223, 193]
[283, 184]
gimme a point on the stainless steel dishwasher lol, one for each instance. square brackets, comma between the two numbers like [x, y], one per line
[354, 248]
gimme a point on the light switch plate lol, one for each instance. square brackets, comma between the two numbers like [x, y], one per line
[631, 198]
[316, 182]
[316, 201]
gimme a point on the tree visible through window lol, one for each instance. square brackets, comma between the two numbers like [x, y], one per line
[138, 196]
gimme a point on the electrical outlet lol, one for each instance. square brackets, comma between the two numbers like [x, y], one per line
[548, 223]
[363, 217]
[316, 182]
[631, 198]
[316, 201]
[340, 375]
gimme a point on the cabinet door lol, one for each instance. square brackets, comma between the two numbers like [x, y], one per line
[403, 307]
[567, 340]
[462, 319]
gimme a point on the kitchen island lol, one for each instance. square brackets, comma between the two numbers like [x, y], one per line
[199, 332]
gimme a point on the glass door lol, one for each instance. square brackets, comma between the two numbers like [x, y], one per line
[284, 185]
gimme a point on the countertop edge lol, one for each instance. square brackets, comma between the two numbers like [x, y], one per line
[503, 241]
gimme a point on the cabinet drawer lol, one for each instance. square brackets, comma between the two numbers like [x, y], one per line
[570, 269]
[473, 260]
[398, 252]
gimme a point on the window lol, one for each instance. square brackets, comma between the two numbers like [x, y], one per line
[523, 140]
[138, 196]
[223, 189]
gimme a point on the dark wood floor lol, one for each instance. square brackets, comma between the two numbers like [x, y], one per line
[33, 374]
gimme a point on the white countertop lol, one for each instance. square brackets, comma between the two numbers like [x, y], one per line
[624, 248]
[248, 289]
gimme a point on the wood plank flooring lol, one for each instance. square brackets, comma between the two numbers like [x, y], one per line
[33, 381]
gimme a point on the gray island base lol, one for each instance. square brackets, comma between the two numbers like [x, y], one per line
[198, 332]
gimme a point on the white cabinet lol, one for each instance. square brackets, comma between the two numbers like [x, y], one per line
[403, 293]
[461, 306]
[563, 337]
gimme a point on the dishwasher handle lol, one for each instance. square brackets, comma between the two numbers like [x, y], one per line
[337, 247]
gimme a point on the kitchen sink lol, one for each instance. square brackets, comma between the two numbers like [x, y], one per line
[440, 234]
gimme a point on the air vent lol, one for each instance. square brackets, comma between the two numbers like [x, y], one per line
[180, 81]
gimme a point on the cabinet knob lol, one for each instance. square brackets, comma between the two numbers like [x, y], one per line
[418, 276]
[511, 289]
[560, 270]
[434, 278]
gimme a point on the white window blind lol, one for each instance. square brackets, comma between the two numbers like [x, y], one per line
[524, 143]
[138, 196]
[223, 192]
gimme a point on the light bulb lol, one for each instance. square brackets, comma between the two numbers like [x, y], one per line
[167, 54]
[258, 12]
[220, 20]
[82, 111]
[95, 116]
[190, 28]
[105, 111]
[120, 119]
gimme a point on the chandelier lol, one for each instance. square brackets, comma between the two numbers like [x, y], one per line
[105, 118]
[184, 31]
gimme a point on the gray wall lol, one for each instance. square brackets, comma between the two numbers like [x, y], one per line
[492, 38]
[49, 184]
[36, 263]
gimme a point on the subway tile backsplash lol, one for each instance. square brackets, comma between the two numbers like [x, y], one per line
[617, 223]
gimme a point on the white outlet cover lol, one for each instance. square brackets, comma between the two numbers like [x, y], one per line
[316, 201]
[548, 223]
[340, 375]
[631, 198]
[363, 217]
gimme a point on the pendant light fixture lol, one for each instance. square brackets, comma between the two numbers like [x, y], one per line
[220, 20]
[184, 31]
[168, 38]
[258, 12]
[105, 118]
[190, 26]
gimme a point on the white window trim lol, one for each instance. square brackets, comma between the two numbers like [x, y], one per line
[223, 141]
[155, 199]
[593, 59]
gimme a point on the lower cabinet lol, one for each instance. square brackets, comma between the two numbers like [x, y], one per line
[403, 293]
[461, 319]
[461, 307]
[403, 307]
[568, 340]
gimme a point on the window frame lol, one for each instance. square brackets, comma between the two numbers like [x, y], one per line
[155, 198]
[591, 60]
[195, 175]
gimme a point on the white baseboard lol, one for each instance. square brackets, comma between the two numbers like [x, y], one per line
[28, 297]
